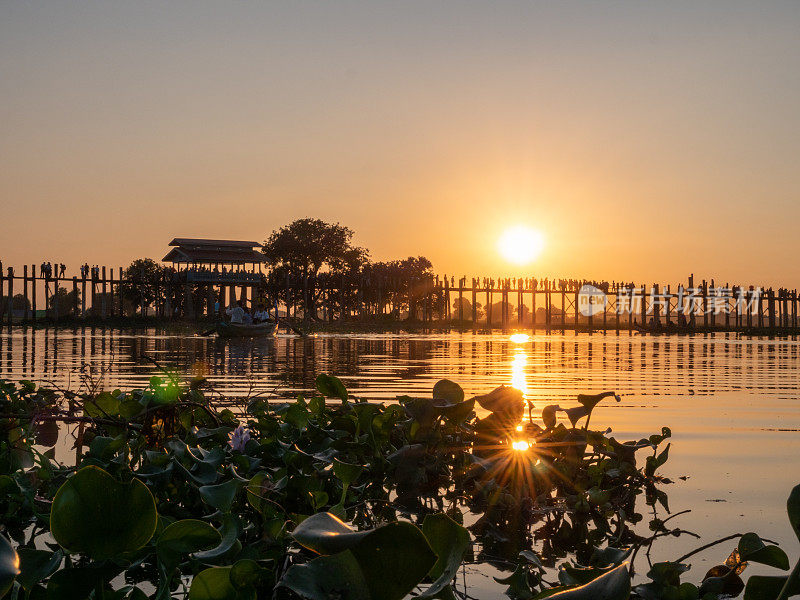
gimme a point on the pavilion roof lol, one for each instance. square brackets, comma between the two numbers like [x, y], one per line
[195, 250]
[200, 242]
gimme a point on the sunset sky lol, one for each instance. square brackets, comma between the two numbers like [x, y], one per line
[644, 140]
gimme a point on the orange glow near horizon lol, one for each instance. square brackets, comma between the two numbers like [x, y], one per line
[549, 118]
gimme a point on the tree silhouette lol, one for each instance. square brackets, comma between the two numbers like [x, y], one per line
[306, 246]
[143, 282]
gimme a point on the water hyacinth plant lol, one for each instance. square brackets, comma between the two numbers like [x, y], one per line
[326, 496]
[238, 438]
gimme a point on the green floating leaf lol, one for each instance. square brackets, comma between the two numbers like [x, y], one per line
[656, 439]
[245, 574]
[8, 485]
[570, 575]
[518, 584]
[331, 386]
[421, 410]
[608, 556]
[426, 411]
[102, 405]
[721, 580]
[230, 532]
[325, 533]
[460, 412]
[667, 573]
[613, 585]
[220, 496]
[95, 514]
[448, 391]
[71, 584]
[213, 584]
[654, 462]
[666, 583]
[504, 400]
[129, 408]
[9, 565]
[383, 564]
[449, 541]
[105, 448]
[654, 591]
[36, 565]
[318, 498]
[576, 413]
[226, 583]
[549, 415]
[769, 588]
[338, 510]
[761, 587]
[138, 594]
[184, 537]
[366, 413]
[338, 576]
[297, 414]
[257, 490]
[316, 405]
[793, 509]
[45, 433]
[752, 549]
[598, 497]
[591, 400]
[78, 583]
[532, 558]
[346, 472]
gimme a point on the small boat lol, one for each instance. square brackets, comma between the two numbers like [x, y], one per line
[265, 329]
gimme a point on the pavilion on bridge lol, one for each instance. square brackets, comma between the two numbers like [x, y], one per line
[216, 261]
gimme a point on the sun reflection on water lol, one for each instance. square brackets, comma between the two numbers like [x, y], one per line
[519, 381]
[518, 378]
[520, 445]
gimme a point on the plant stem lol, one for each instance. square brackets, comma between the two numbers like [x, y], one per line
[793, 576]
[709, 545]
[719, 541]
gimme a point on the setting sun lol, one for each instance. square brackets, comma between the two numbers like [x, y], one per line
[520, 244]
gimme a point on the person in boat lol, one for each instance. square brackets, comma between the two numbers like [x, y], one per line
[236, 313]
[261, 315]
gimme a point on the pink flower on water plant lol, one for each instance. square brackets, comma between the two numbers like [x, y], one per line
[238, 438]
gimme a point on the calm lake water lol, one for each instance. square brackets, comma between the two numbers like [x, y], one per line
[733, 403]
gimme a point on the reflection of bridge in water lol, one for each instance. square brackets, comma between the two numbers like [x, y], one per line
[547, 368]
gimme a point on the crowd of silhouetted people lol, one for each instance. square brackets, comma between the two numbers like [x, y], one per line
[47, 269]
[531, 283]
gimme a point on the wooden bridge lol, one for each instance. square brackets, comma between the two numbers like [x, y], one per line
[30, 295]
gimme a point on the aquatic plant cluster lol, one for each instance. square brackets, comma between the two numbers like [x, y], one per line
[321, 497]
